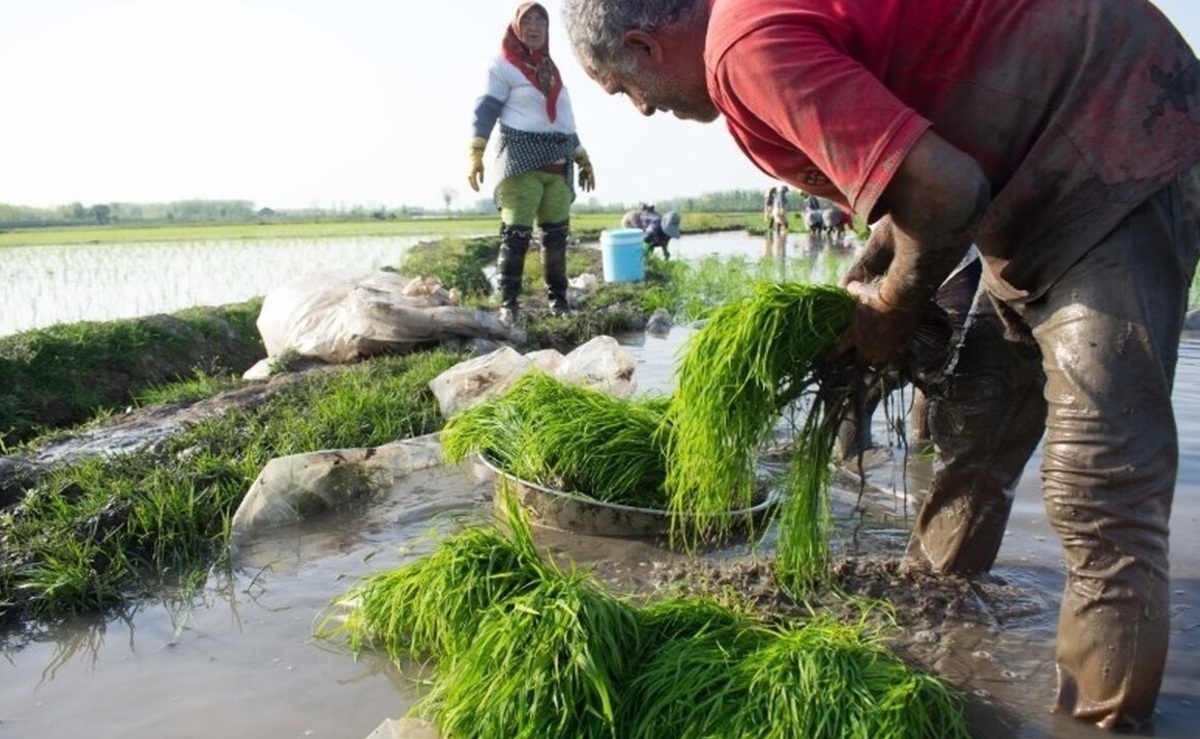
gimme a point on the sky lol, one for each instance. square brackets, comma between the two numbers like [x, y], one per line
[306, 103]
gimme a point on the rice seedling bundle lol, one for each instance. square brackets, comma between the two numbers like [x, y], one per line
[431, 607]
[820, 679]
[738, 373]
[524, 649]
[568, 437]
[550, 662]
[691, 647]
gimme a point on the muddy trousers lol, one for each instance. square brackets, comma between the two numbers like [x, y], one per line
[1091, 363]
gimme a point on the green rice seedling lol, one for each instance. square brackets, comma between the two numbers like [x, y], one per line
[497, 427]
[524, 649]
[804, 520]
[682, 683]
[549, 662]
[749, 361]
[717, 673]
[827, 679]
[568, 437]
[432, 607]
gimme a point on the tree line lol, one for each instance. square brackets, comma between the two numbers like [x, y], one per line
[182, 211]
[209, 211]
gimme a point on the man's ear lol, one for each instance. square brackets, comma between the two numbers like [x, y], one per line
[643, 45]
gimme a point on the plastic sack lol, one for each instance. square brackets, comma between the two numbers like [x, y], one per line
[601, 363]
[341, 316]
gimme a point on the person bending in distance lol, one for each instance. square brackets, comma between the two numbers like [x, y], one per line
[1063, 139]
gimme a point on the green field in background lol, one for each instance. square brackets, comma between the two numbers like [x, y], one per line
[433, 227]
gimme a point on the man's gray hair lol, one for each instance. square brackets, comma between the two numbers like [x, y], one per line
[597, 27]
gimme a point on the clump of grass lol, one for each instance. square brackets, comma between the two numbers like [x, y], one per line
[67, 373]
[100, 531]
[712, 670]
[691, 646]
[752, 359]
[457, 262]
[841, 682]
[523, 648]
[201, 385]
[568, 437]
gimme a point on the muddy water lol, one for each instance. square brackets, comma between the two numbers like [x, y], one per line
[240, 660]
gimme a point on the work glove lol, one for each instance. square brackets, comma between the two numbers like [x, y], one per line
[587, 177]
[475, 178]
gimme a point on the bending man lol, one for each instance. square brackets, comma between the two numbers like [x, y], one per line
[1062, 138]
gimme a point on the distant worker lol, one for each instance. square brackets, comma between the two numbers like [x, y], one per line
[769, 208]
[538, 152]
[657, 229]
[779, 214]
[814, 218]
[835, 221]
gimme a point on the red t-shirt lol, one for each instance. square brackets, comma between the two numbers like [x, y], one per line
[1077, 110]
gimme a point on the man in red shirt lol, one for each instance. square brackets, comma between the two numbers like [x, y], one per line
[1060, 136]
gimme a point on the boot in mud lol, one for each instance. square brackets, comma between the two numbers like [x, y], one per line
[554, 265]
[510, 267]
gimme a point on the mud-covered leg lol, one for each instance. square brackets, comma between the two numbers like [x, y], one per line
[985, 419]
[1112, 454]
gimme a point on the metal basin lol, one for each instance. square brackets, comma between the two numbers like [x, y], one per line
[564, 511]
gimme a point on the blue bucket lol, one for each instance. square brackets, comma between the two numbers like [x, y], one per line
[621, 255]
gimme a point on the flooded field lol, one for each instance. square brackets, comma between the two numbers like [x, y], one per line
[239, 659]
[44, 285]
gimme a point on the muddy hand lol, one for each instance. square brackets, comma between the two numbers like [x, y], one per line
[879, 332]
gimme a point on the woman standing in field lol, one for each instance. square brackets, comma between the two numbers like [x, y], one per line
[537, 153]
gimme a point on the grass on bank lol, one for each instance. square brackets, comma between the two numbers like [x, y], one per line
[66, 374]
[97, 532]
[521, 648]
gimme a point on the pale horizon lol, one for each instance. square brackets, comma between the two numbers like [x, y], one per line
[299, 104]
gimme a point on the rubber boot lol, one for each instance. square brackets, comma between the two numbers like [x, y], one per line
[554, 265]
[510, 267]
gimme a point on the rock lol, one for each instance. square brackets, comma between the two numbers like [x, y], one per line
[471, 382]
[659, 323]
[262, 370]
[404, 728]
[292, 488]
[601, 363]
[546, 360]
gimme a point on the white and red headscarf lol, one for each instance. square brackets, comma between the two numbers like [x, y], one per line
[537, 67]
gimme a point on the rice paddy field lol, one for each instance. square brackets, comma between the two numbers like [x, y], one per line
[92, 274]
